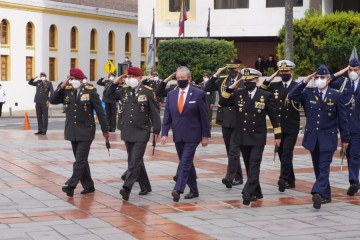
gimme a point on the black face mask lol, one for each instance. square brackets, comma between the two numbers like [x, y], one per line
[182, 83]
[250, 85]
[285, 77]
[232, 73]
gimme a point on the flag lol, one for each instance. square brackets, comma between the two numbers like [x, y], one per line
[353, 53]
[182, 18]
[208, 26]
[150, 60]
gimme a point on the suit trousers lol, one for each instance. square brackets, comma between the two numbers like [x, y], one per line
[353, 156]
[110, 109]
[81, 168]
[321, 163]
[187, 173]
[42, 116]
[286, 150]
[234, 170]
[136, 167]
[252, 158]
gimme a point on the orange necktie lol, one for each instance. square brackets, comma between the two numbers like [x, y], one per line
[181, 102]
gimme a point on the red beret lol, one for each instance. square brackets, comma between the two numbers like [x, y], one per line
[77, 73]
[134, 71]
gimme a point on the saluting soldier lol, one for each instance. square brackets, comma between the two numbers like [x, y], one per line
[289, 115]
[154, 82]
[110, 104]
[351, 94]
[210, 97]
[44, 89]
[325, 111]
[140, 114]
[80, 100]
[226, 117]
[252, 104]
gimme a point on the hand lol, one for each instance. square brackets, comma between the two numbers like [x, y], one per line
[164, 139]
[277, 142]
[106, 135]
[169, 78]
[345, 146]
[204, 142]
[47, 104]
[341, 72]
[156, 136]
[236, 84]
[219, 71]
[308, 78]
[273, 76]
[66, 82]
[4, 102]
[120, 79]
[211, 106]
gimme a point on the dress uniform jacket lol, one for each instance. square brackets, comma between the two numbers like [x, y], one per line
[106, 84]
[161, 90]
[43, 90]
[80, 123]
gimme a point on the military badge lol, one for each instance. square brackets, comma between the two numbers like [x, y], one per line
[276, 94]
[142, 98]
[142, 108]
[330, 103]
[259, 105]
[85, 97]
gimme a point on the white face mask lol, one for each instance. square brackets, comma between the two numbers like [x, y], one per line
[353, 76]
[320, 82]
[84, 80]
[43, 78]
[156, 78]
[132, 82]
[75, 83]
[111, 78]
[206, 79]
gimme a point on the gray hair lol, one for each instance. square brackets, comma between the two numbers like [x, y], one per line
[184, 69]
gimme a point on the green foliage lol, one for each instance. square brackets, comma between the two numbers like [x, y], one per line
[326, 40]
[199, 55]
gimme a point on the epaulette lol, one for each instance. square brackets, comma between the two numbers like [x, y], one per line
[125, 86]
[337, 90]
[69, 87]
[146, 86]
[89, 87]
[224, 76]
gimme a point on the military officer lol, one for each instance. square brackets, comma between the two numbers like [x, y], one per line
[226, 117]
[251, 104]
[326, 112]
[289, 116]
[110, 104]
[44, 89]
[210, 97]
[350, 90]
[140, 115]
[154, 82]
[80, 100]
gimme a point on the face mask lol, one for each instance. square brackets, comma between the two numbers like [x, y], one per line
[75, 83]
[182, 83]
[84, 80]
[126, 59]
[232, 73]
[132, 82]
[250, 85]
[259, 59]
[285, 77]
[156, 78]
[270, 58]
[206, 79]
[43, 78]
[320, 82]
[111, 78]
[353, 76]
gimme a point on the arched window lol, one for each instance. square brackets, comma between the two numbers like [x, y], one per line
[73, 38]
[111, 41]
[52, 36]
[30, 34]
[143, 45]
[5, 32]
[128, 43]
[93, 40]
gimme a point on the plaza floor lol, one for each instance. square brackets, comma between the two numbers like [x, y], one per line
[32, 205]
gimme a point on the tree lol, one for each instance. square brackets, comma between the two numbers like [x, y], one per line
[289, 44]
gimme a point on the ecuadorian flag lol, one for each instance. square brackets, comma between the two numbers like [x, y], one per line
[182, 18]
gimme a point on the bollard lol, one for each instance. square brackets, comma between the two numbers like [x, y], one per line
[10, 112]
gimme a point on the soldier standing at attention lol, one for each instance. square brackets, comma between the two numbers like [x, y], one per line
[43, 90]
[226, 117]
[326, 112]
[252, 105]
[110, 104]
[210, 97]
[80, 100]
[289, 116]
[140, 114]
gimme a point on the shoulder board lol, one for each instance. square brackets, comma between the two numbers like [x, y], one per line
[336, 90]
[146, 86]
[68, 87]
[224, 76]
[125, 86]
[89, 87]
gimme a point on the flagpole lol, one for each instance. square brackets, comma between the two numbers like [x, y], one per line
[154, 47]
[209, 25]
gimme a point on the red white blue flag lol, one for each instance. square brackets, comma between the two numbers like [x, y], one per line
[182, 18]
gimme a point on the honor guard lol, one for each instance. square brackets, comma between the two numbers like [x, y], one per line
[80, 102]
[349, 88]
[326, 112]
[154, 82]
[140, 115]
[226, 117]
[110, 104]
[288, 112]
[44, 89]
[210, 97]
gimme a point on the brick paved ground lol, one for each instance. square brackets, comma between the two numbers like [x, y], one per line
[32, 205]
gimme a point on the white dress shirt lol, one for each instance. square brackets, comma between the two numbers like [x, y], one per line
[186, 90]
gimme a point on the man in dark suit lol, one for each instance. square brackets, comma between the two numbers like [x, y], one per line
[252, 105]
[210, 97]
[350, 90]
[289, 115]
[80, 100]
[140, 115]
[226, 117]
[110, 104]
[326, 113]
[186, 114]
[44, 89]
[260, 65]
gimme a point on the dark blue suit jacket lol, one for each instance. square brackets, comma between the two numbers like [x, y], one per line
[192, 124]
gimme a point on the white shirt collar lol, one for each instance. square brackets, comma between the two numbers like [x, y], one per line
[288, 83]
[324, 91]
[253, 92]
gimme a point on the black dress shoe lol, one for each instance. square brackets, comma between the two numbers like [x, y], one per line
[354, 188]
[88, 190]
[247, 198]
[125, 194]
[227, 183]
[176, 195]
[282, 185]
[317, 199]
[68, 190]
[191, 195]
[289, 185]
[259, 196]
[237, 182]
[325, 200]
[37, 133]
[145, 191]
[175, 178]
[43, 133]
[123, 177]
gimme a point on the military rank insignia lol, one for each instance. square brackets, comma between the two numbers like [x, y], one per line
[330, 103]
[85, 97]
[142, 98]
[259, 105]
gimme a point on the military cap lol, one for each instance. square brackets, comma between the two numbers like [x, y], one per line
[250, 73]
[322, 70]
[285, 65]
[205, 75]
[134, 71]
[354, 62]
[233, 63]
[43, 73]
[77, 73]
[155, 73]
